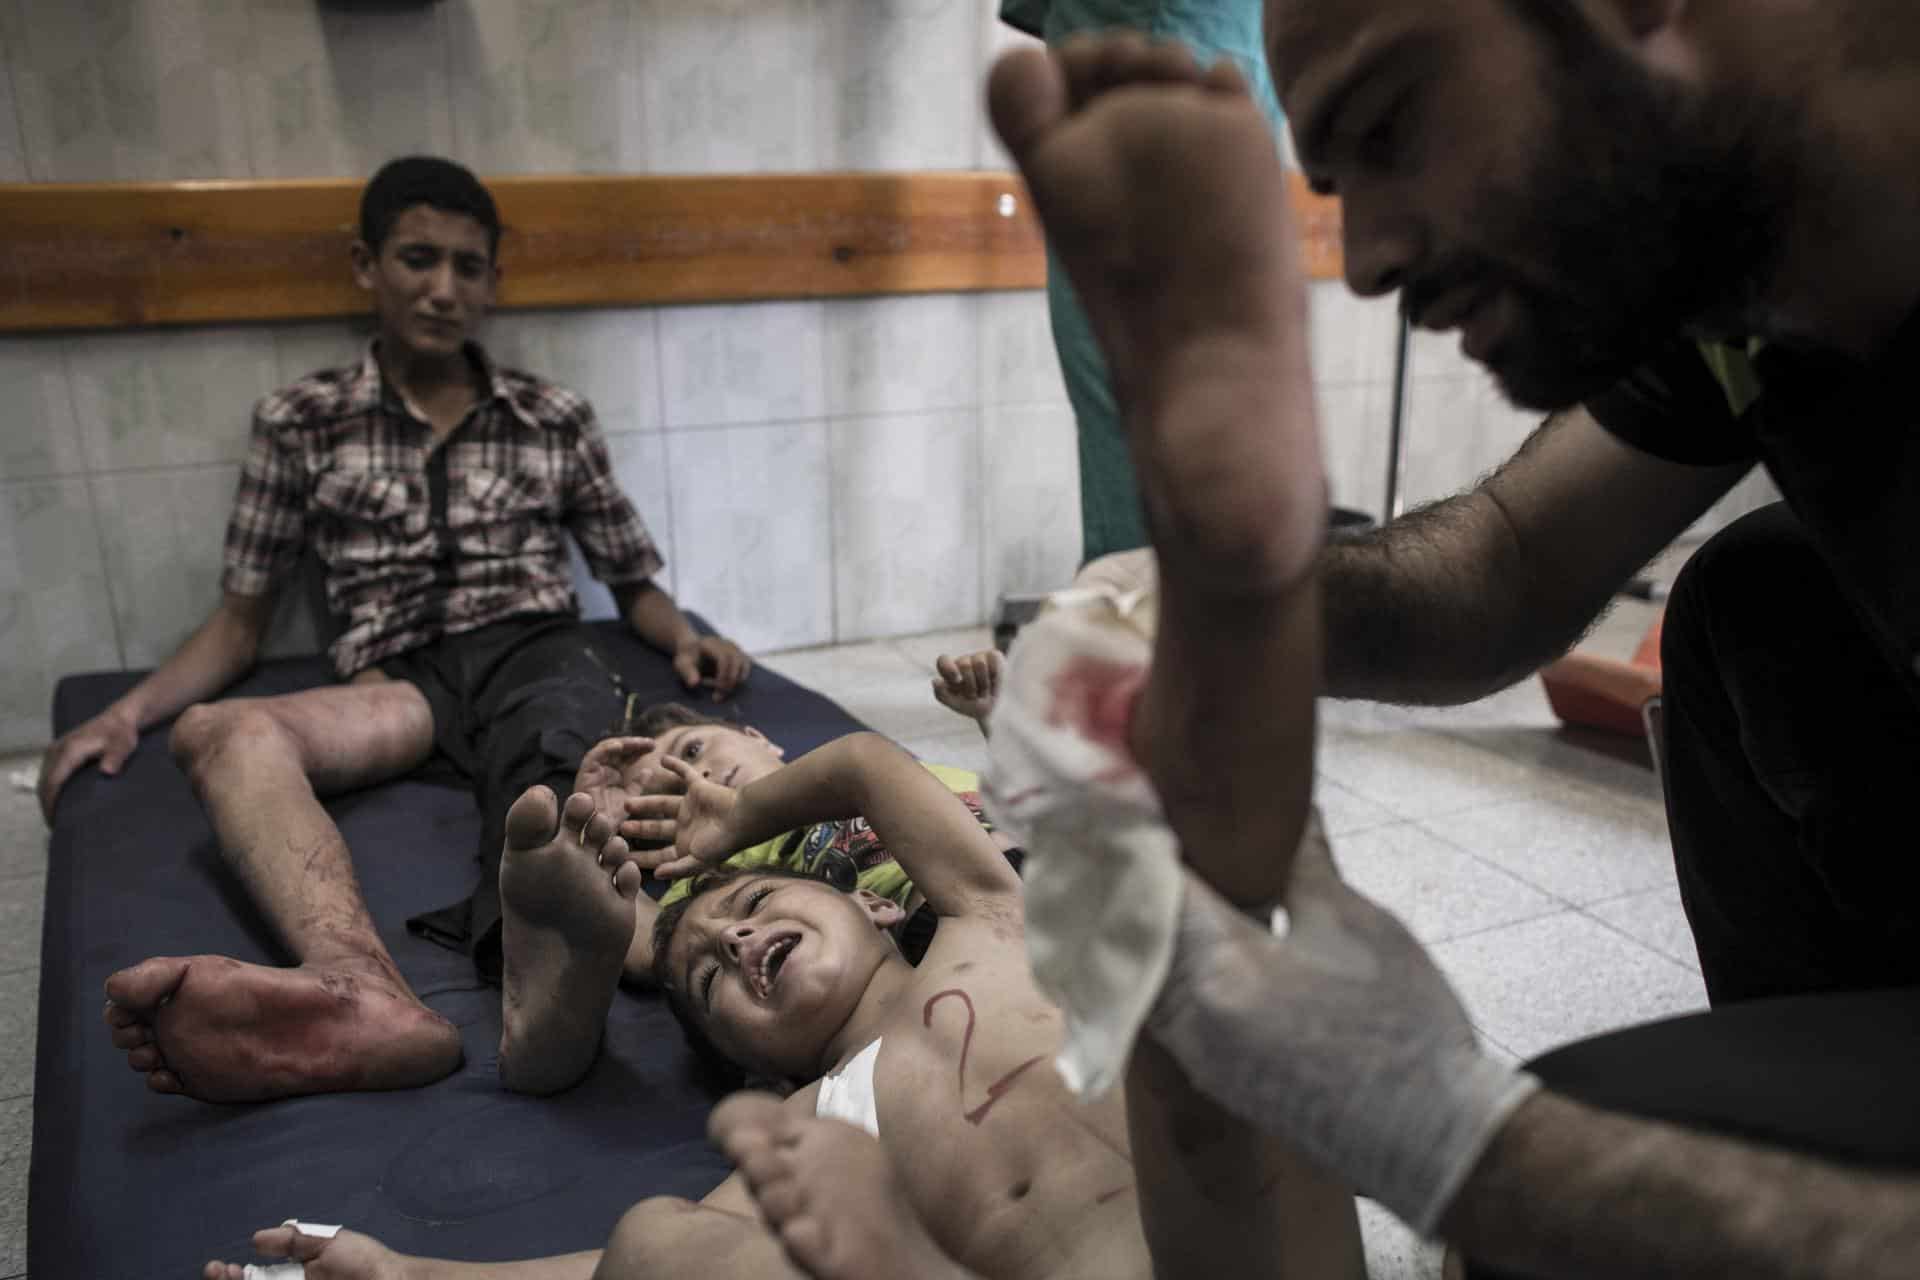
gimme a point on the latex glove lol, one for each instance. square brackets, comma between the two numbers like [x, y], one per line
[1340, 1036]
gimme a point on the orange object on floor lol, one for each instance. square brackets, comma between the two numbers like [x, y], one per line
[1605, 693]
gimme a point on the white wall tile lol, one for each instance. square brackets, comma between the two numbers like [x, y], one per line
[55, 615]
[729, 365]
[902, 354]
[310, 346]
[996, 39]
[1355, 430]
[115, 90]
[640, 465]
[904, 91]
[544, 86]
[1457, 430]
[730, 86]
[162, 533]
[1354, 338]
[1018, 361]
[751, 532]
[41, 436]
[906, 523]
[169, 397]
[13, 151]
[607, 355]
[1031, 540]
[338, 90]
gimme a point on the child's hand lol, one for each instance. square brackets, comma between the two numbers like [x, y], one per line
[347, 1256]
[700, 827]
[969, 684]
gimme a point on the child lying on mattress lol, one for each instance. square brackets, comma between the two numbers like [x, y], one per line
[982, 1155]
[572, 931]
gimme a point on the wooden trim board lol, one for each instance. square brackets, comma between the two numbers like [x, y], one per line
[115, 255]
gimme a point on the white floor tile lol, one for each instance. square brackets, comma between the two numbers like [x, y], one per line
[963, 750]
[875, 682]
[1420, 775]
[1572, 843]
[21, 900]
[23, 833]
[16, 1148]
[1618, 767]
[1542, 983]
[19, 1030]
[1655, 918]
[1437, 891]
[921, 650]
[1343, 812]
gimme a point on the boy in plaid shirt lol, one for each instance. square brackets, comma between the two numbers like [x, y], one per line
[436, 490]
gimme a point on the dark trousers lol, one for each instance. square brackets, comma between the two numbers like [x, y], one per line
[1792, 772]
[515, 705]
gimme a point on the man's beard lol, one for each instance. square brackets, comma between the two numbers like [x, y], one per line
[1650, 208]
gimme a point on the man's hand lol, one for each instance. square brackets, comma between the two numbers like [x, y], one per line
[969, 684]
[1340, 1036]
[108, 738]
[699, 823]
[347, 1256]
[714, 661]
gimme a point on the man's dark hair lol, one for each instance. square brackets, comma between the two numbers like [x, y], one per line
[430, 180]
[724, 1069]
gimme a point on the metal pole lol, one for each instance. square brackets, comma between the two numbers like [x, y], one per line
[1396, 430]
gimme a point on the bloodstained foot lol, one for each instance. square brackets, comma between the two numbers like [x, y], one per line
[567, 892]
[829, 1192]
[220, 1030]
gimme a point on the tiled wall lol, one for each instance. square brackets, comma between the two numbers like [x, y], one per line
[816, 472]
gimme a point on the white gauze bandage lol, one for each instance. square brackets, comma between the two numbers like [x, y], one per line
[290, 1270]
[1103, 871]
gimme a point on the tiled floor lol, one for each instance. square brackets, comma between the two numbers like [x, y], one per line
[1534, 865]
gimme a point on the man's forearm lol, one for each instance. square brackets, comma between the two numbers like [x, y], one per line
[221, 651]
[1433, 608]
[656, 619]
[1568, 1190]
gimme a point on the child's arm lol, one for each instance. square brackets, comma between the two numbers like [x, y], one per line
[950, 857]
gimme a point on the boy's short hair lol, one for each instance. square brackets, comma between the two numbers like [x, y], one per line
[662, 716]
[724, 1068]
[430, 180]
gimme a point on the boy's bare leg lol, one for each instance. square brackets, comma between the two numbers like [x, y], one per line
[567, 917]
[829, 1192]
[343, 1018]
[352, 1256]
[1160, 188]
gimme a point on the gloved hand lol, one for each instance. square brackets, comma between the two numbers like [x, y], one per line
[1338, 1034]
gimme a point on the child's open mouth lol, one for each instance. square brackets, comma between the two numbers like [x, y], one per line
[766, 968]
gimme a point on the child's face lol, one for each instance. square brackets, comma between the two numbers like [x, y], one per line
[772, 967]
[726, 755]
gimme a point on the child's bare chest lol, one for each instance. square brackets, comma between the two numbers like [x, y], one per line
[991, 1147]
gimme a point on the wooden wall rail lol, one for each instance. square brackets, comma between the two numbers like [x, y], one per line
[113, 255]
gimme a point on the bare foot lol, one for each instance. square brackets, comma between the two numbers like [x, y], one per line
[220, 1030]
[828, 1191]
[1160, 187]
[567, 895]
[347, 1256]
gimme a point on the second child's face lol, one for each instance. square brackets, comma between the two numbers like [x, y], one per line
[726, 755]
[432, 280]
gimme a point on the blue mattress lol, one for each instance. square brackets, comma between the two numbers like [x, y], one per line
[127, 1183]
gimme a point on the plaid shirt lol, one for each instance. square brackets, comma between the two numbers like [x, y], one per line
[418, 540]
